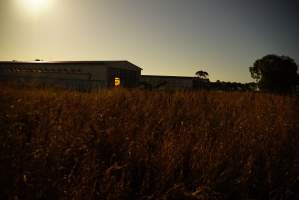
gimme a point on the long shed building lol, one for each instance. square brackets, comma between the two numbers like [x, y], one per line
[73, 74]
[167, 82]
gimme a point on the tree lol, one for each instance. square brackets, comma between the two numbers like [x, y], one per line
[275, 73]
[202, 81]
[202, 74]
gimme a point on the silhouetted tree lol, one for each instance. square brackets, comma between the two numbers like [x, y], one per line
[202, 74]
[202, 81]
[275, 73]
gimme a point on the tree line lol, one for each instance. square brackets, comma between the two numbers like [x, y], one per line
[272, 73]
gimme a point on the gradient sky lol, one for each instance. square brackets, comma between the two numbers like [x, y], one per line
[164, 37]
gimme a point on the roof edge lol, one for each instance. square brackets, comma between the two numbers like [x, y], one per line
[166, 76]
[69, 62]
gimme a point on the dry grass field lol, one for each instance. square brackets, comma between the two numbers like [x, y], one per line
[135, 144]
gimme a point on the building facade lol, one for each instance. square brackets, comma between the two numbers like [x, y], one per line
[73, 74]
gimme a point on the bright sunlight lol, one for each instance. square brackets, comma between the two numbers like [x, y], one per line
[35, 6]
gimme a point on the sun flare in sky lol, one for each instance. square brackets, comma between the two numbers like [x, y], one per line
[34, 6]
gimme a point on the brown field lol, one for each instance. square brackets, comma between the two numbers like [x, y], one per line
[120, 144]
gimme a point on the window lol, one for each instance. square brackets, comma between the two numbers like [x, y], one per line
[116, 81]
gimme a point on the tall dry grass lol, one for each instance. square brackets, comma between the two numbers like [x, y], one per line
[119, 144]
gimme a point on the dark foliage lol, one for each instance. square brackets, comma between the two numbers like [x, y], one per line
[275, 73]
[202, 74]
[222, 86]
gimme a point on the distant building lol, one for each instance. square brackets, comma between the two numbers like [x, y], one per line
[167, 82]
[73, 74]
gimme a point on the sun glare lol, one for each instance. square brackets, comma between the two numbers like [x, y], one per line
[35, 6]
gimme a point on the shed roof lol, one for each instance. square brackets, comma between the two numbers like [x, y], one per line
[112, 63]
[167, 77]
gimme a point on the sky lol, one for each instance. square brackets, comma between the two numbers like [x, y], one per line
[164, 37]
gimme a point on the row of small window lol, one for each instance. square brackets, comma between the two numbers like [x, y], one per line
[41, 70]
